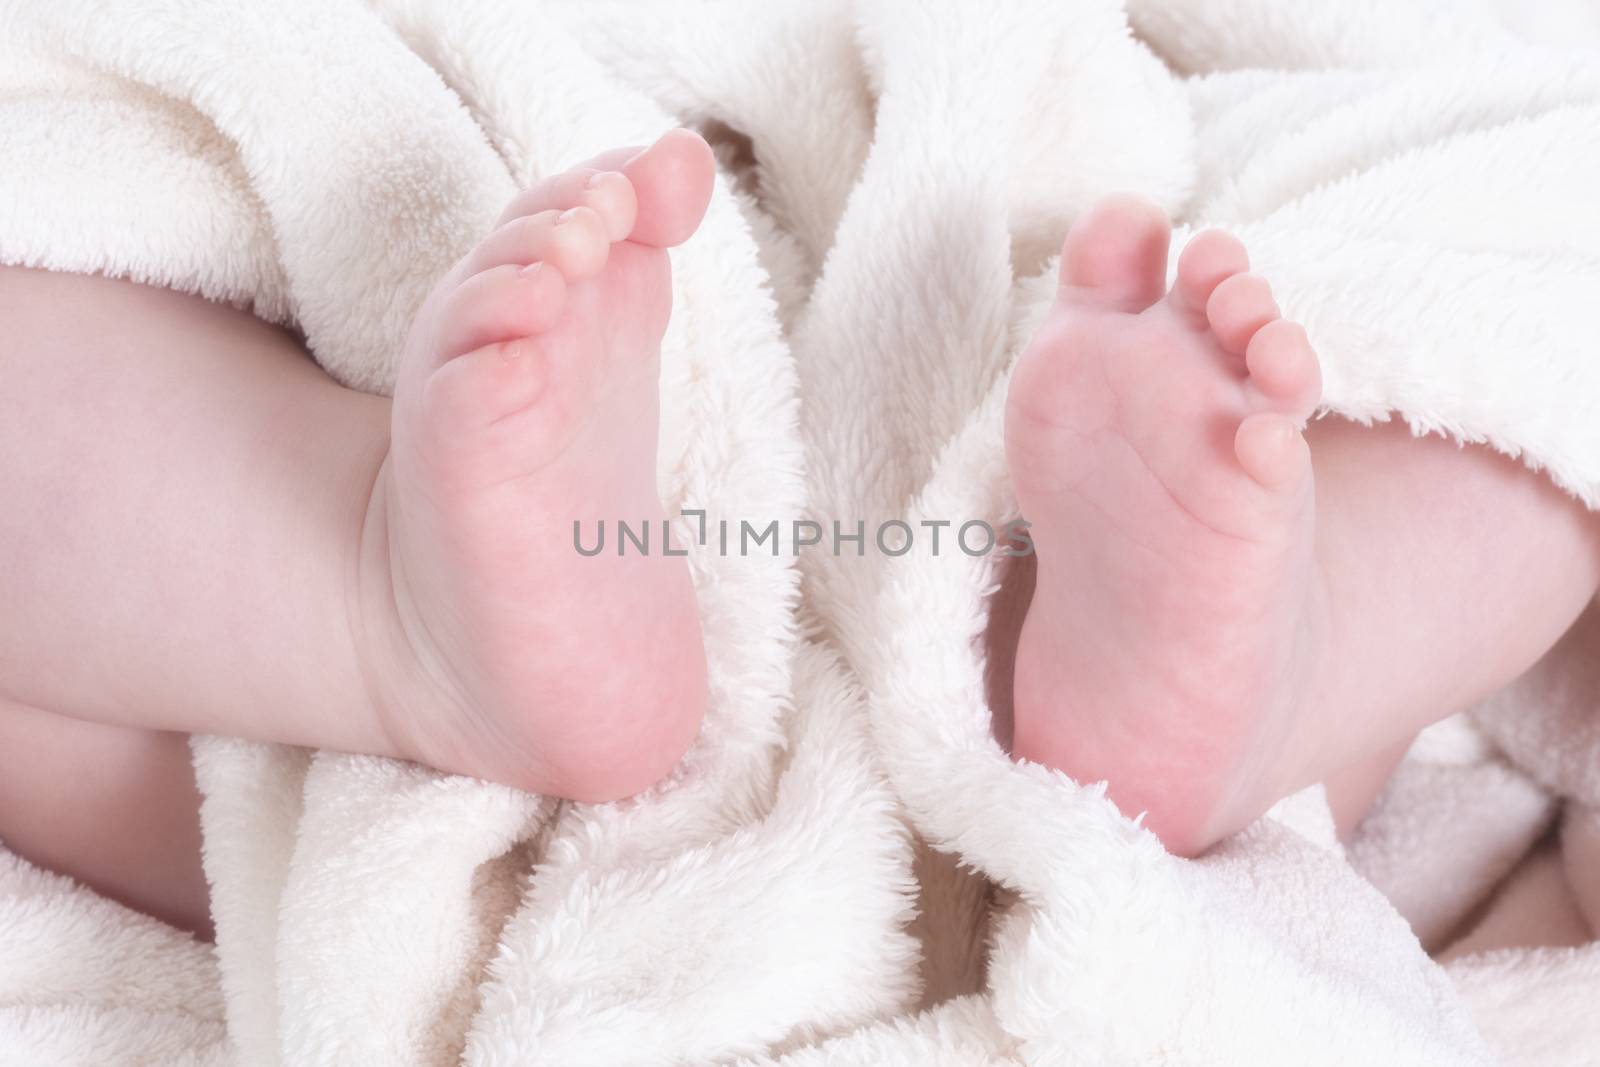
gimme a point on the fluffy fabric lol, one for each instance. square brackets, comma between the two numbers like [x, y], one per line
[847, 868]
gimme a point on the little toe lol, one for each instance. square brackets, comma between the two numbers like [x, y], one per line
[574, 241]
[1283, 367]
[1210, 257]
[500, 304]
[1239, 306]
[1272, 451]
[1115, 256]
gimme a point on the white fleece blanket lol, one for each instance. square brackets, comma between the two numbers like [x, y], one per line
[847, 868]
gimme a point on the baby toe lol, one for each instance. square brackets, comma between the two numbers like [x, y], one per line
[609, 194]
[498, 305]
[574, 242]
[1239, 306]
[606, 192]
[1115, 256]
[673, 179]
[1210, 258]
[1272, 451]
[1283, 367]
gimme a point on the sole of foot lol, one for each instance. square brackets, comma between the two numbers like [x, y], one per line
[528, 402]
[1154, 438]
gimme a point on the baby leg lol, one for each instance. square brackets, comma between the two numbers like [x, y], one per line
[1226, 610]
[187, 489]
[114, 807]
[211, 536]
[203, 533]
[1451, 569]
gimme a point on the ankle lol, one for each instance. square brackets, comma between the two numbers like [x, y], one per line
[377, 631]
[1306, 719]
[613, 745]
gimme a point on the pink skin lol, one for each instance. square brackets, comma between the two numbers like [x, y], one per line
[1202, 635]
[335, 570]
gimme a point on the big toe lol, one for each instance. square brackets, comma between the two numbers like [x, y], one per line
[672, 179]
[1115, 256]
[653, 196]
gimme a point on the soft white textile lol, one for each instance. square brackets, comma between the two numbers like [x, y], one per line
[1418, 180]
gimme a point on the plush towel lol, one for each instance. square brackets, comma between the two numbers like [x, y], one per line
[847, 868]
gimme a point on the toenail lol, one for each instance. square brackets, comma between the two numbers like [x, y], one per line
[600, 178]
[531, 269]
[567, 215]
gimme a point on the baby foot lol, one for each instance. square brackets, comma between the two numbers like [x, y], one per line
[1154, 439]
[527, 401]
